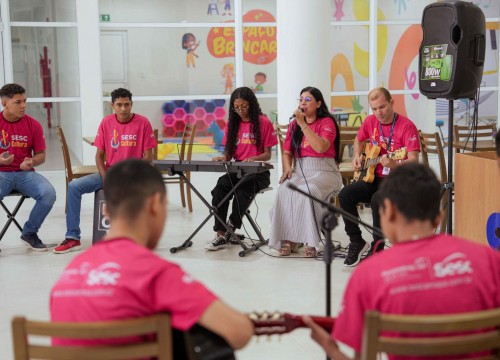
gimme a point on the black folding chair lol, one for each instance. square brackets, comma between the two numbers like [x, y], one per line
[11, 216]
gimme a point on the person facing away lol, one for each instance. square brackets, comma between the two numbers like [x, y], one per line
[121, 135]
[312, 144]
[23, 147]
[389, 131]
[249, 136]
[121, 278]
[422, 274]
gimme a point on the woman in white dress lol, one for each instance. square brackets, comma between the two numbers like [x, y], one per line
[310, 160]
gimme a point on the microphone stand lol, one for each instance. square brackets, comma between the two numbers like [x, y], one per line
[328, 223]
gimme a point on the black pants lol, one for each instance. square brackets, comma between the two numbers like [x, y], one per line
[244, 196]
[360, 192]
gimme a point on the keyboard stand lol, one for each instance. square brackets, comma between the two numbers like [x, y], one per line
[213, 212]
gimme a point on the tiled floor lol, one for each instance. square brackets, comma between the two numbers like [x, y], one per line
[258, 282]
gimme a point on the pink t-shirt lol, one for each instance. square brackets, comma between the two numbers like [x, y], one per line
[124, 141]
[246, 147]
[405, 134]
[119, 279]
[437, 275]
[23, 138]
[324, 127]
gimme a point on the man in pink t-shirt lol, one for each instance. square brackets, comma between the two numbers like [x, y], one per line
[122, 135]
[22, 146]
[423, 273]
[121, 278]
[389, 131]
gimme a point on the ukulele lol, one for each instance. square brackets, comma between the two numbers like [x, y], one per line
[370, 160]
[283, 323]
[199, 343]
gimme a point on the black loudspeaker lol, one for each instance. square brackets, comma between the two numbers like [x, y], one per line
[452, 50]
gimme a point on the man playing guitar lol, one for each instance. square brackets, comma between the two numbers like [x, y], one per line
[389, 131]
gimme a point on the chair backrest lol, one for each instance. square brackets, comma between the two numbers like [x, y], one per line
[430, 143]
[484, 132]
[187, 138]
[347, 136]
[281, 131]
[155, 150]
[159, 345]
[65, 151]
[457, 334]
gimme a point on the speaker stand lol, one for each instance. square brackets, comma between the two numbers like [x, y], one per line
[450, 186]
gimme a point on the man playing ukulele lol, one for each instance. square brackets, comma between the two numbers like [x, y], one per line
[388, 131]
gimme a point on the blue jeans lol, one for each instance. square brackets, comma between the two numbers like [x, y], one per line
[76, 188]
[36, 187]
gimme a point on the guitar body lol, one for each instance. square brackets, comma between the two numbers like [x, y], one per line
[367, 174]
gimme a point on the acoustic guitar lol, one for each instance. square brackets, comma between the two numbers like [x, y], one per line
[370, 160]
[198, 343]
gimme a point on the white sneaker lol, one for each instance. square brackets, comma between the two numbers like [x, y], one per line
[218, 243]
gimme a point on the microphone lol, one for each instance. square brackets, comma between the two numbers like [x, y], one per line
[293, 116]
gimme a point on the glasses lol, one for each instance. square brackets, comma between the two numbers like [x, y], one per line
[306, 99]
[241, 108]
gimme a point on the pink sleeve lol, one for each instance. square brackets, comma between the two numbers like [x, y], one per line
[100, 139]
[149, 136]
[287, 144]
[364, 131]
[411, 138]
[38, 138]
[269, 138]
[327, 130]
[183, 297]
[348, 327]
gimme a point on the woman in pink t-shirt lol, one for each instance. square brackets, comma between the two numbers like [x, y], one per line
[249, 136]
[310, 160]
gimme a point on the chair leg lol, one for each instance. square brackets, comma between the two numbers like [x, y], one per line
[183, 198]
[188, 193]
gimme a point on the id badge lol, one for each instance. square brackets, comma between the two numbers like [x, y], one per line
[386, 171]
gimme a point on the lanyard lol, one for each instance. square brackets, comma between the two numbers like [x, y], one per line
[392, 131]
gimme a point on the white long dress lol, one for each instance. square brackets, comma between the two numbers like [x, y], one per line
[295, 217]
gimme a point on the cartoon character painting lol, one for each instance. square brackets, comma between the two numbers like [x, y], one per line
[189, 44]
[259, 80]
[228, 74]
[212, 6]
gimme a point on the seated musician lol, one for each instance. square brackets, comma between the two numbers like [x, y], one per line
[313, 144]
[423, 273]
[121, 278]
[249, 136]
[389, 131]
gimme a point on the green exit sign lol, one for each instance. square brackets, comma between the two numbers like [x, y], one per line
[105, 17]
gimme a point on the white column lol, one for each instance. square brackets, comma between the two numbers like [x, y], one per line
[303, 51]
[89, 56]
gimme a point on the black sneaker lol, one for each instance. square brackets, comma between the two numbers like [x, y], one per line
[356, 249]
[235, 239]
[218, 243]
[375, 247]
[33, 241]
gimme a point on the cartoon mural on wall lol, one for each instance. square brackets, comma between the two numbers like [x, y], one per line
[228, 74]
[189, 44]
[259, 80]
[227, 7]
[339, 12]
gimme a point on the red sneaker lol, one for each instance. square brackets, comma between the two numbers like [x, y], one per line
[68, 245]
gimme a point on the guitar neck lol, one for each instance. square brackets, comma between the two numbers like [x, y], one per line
[285, 323]
[371, 162]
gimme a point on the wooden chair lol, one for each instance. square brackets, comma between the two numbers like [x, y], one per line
[464, 133]
[472, 332]
[72, 172]
[281, 130]
[185, 153]
[159, 345]
[431, 144]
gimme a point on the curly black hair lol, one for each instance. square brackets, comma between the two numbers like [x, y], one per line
[9, 90]
[120, 93]
[321, 112]
[233, 126]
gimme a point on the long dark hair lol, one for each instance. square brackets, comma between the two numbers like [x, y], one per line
[321, 112]
[233, 126]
